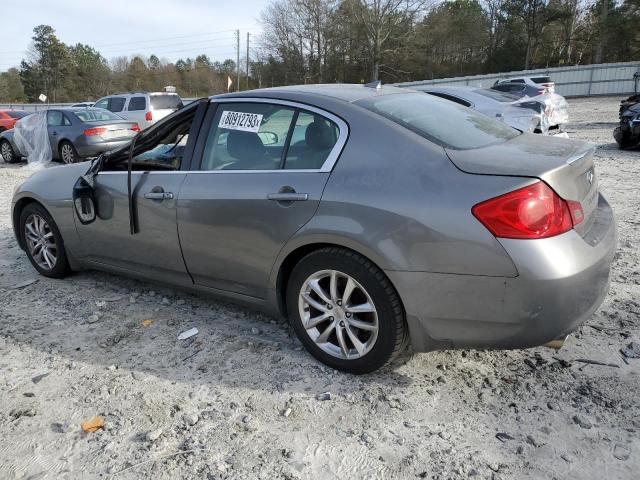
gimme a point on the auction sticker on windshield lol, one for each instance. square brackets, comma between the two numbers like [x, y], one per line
[247, 122]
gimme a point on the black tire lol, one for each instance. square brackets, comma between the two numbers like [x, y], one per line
[60, 268]
[67, 152]
[7, 150]
[392, 334]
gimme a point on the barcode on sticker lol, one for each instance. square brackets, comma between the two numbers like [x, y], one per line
[247, 122]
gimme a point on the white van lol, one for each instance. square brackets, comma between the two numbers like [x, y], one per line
[146, 108]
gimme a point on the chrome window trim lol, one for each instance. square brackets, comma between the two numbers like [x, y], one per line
[333, 156]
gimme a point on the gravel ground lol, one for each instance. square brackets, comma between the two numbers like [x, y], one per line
[243, 400]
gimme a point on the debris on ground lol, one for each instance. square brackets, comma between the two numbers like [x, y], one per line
[92, 425]
[188, 334]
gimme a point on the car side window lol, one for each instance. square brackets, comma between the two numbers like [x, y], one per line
[312, 140]
[518, 80]
[55, 118]
[247, 136]
[116, 104]
[137, 103]
[104, 103]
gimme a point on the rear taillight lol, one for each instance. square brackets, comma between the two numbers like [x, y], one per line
[148, 117]
[135, 128]
[90, 132]
[535, 211]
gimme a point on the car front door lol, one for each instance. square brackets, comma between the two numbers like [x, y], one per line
[154, 250]
[262, 168]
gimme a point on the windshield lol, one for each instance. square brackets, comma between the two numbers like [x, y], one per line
[497, 95]
[89, 116]
[165, 102]
[443, 122]
[17, 113]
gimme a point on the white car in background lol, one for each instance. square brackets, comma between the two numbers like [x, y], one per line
[542, 114]
[532, 83]
[145, 108]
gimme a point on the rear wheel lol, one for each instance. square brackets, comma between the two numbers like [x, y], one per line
[68, 153]
[6, 150]
[43, 242]
[345, 311]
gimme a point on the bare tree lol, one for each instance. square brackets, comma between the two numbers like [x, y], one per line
[382, 19]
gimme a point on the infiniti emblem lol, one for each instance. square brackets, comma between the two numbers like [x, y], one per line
[590, 177]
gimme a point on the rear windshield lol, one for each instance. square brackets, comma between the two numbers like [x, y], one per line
[164, 102]
[541, 79]
[100, 115]
[17, 113]
[496, 95]
[440, 121]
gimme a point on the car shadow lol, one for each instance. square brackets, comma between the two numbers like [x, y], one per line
[131, 325]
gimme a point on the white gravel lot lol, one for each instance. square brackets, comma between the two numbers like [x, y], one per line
[241, 400]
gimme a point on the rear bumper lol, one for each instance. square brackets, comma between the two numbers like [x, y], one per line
[94, 149]
[561, 281]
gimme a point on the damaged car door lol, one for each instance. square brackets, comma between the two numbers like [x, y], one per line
[158, 163]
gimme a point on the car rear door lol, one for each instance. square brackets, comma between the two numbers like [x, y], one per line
[260, 172]
[58, 127]
[136, 109]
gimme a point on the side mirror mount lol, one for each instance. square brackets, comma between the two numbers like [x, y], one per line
[84, 200]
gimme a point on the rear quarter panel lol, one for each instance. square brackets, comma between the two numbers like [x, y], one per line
[396, 198]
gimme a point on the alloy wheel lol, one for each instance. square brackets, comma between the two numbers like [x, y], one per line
[6, 152]
[338, 314]
[66, 152]
[40, 241]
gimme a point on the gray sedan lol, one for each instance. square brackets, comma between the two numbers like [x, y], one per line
[74, 134]
[375, 219]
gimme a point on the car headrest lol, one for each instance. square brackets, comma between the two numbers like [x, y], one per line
[319, 135]
[245, 146]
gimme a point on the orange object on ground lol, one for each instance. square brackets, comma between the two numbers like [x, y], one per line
[92, 425]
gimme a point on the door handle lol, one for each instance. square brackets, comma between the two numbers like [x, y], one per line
[158, 195]
[288, 197]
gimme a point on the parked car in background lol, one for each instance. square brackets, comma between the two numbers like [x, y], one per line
[75, 133]
[8, 118]
[370, 217]
[627, 133]
[145, 108]
[82, 104]
[529, 115]
[518, 89]
[542, 84]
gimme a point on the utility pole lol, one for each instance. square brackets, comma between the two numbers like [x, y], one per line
[238, 60]
[248, 60]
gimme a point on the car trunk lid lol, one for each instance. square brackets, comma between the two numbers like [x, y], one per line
[565, 165]
[114, 130]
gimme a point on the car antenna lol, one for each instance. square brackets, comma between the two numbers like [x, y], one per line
[132, 221]
[376, 84]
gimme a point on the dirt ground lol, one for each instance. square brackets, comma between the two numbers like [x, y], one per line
[242, 399]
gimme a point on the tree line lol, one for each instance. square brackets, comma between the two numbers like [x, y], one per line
[354, 41]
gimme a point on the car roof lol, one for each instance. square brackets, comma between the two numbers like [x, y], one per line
[446, 88]
[342, 91]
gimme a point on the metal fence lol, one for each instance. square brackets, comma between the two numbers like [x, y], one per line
[575, 81]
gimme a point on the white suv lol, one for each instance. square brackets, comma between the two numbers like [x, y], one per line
[146, 108]
[542, 82]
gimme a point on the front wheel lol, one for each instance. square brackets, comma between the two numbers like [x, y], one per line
[43, 242]
[345, 311]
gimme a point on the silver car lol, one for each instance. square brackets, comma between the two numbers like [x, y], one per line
[537, 115]
[375, 219]
[74, 134]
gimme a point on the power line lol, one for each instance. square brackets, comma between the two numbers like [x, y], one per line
[166, 38]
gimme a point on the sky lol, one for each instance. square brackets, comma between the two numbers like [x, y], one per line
[171, 29]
